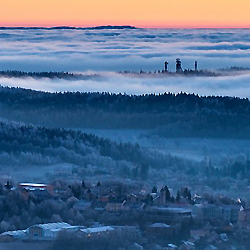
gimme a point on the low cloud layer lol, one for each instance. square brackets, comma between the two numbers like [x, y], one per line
[108, 51]
[111, 82]
[115, 50]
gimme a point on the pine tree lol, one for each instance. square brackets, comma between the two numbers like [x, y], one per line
[189, 196]
[154, 189]
[168, 196]
[185, 193]
[8, 185]
[178, 196]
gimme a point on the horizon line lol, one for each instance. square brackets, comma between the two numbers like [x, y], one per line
[126, 25]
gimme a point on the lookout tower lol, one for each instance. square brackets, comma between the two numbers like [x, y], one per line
[166, 66]
[196, 66]
[178, 65]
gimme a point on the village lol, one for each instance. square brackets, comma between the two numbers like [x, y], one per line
[184, 221]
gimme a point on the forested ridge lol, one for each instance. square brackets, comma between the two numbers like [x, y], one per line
[45, 146]
[170, 114]
[50, 75]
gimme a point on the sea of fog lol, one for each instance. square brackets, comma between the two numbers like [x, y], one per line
[109, 51]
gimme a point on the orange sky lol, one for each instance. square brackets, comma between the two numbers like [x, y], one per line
[143, 13]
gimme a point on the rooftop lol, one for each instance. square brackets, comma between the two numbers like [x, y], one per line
[14, 233]
[172, 245]
[53, 226]
[173, 209]
[33, 185]
[159, 225]
[97, 229]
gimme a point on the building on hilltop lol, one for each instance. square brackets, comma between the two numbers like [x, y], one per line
[178, 66]
[196, 66]
[166, 67]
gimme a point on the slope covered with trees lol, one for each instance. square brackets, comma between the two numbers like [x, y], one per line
[171, 115]
[30, 145]
[50, 75]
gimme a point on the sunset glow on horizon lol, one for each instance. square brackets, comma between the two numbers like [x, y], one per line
[140, 13]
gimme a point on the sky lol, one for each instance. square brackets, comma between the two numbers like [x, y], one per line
[142, 13]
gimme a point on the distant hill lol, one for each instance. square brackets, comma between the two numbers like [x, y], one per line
[169, 115]
[108, 27]
[44, 146]
[51, 75]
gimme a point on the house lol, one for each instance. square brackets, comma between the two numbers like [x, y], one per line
[210, 211]
[36, 191]
[36, 186]
[114, 206]
[99, 206]
[103, 199]
[160, 199]
[38, 194]
[187, 245]
[132, 206]
[82, 205]
[142, 195]
[198, 199]
[90, 195]
[197, 212]
[111, 196]
[171, 247]
[199, 233]
[168, 214]
[160, 230]
[229, 227]
[132, 198]
[244, 216]
[13, 235]
[48, 231]
[163, 196]
[226, 213]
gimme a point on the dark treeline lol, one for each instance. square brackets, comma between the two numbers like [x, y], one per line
[239, 170]
[186, 72]
[234, 68]
[170, 114]
[51, 75]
